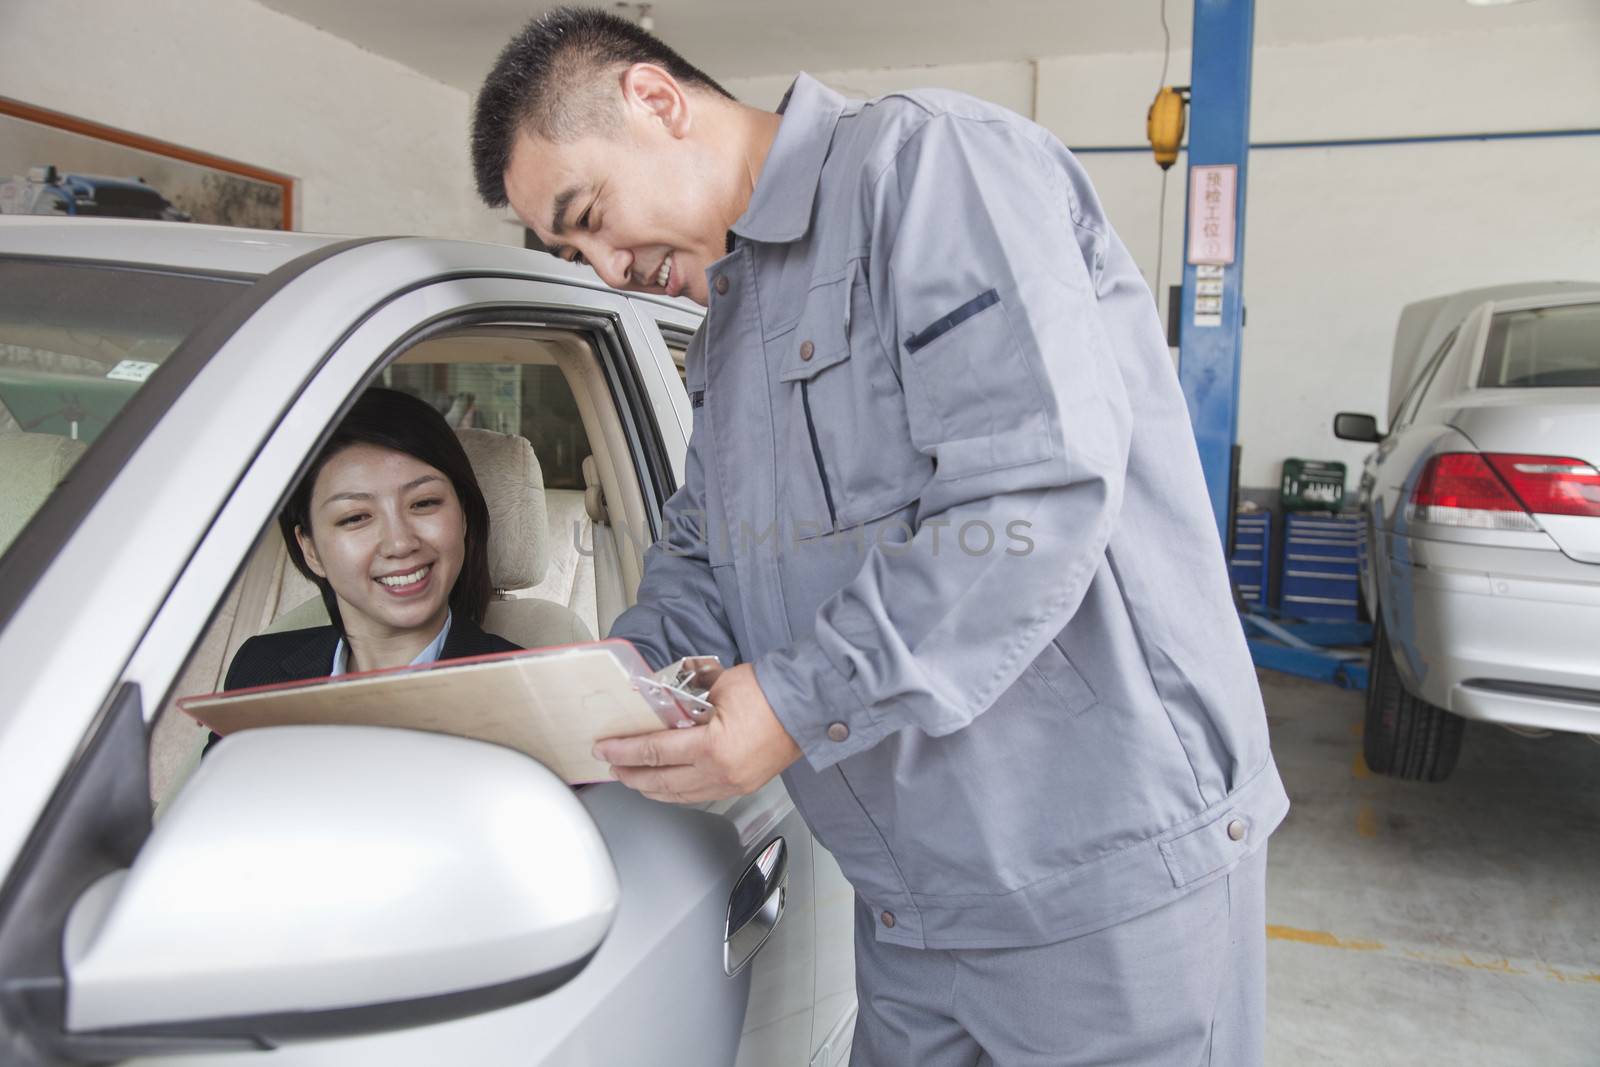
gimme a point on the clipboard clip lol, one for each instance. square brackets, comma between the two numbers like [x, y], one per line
[687, 683]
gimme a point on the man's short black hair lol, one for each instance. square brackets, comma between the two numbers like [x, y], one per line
[551, 81]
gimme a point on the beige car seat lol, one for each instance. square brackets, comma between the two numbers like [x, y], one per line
[31, 466]
[570, 576]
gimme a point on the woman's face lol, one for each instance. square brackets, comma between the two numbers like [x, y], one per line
[389, 535]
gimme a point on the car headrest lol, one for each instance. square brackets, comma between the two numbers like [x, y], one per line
[512, 483]
[31, 466]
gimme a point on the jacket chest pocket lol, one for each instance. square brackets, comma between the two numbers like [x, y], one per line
[847, 456]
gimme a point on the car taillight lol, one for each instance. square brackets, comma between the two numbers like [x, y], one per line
[1550, 485]
[1461, 489]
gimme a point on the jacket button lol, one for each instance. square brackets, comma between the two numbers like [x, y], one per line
[721, 284]
[838, 732]
[807, 349]
[1236, 830]
[888, 919]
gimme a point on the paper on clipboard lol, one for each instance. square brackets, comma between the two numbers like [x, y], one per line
[552, 704]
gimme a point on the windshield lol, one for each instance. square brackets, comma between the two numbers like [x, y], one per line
[1543, 347]
[77, 341]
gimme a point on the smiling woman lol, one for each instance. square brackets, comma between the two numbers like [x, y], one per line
[391, 526]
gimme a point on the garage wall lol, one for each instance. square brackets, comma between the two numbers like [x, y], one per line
[1338, 239]
[377, 148]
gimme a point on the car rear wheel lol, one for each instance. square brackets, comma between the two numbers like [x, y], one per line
[1405, 736]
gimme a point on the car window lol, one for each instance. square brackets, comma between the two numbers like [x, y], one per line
[77, 341]
[473, 382]
[1543, 348]
[677, 346]
[1419, 389]
[513, 398]
[516, 382]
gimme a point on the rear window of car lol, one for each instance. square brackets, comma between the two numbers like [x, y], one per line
[1543, 348]
[77, 341]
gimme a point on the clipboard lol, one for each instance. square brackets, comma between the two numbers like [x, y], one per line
[552, 704]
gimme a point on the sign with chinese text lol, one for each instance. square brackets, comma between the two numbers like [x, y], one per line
[1212, 204]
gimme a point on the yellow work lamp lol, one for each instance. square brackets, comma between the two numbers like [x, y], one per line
[1164, 123]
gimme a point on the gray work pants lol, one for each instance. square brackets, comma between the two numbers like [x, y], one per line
[1181, 986]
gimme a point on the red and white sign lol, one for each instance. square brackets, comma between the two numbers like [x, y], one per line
[1213, 200]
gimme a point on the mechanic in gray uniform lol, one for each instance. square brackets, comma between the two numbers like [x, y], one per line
[944, 509]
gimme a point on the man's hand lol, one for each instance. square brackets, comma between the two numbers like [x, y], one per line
[741, 748]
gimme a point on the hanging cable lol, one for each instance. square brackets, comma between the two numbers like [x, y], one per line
[1161, 237]
[1161, 213]
[1167, 47]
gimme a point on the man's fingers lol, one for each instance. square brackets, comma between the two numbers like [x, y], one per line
[671, 785]
[663, 748]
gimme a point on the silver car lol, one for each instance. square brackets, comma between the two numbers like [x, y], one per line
[347, 895]
[1482, 567]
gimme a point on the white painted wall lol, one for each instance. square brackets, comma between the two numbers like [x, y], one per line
[1338, 240]
[376, 147]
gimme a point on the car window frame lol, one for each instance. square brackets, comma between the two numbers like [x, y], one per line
[334, 302]
[1419, 389]
[644, 440]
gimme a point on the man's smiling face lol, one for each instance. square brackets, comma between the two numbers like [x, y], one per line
[637, 203]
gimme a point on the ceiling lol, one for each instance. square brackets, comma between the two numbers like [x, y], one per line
[455, 42]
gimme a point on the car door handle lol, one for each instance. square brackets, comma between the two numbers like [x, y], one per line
[755, 906]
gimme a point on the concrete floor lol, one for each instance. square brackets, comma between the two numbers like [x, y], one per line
[1453, 923]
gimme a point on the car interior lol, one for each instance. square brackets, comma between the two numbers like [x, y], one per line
[569, 524]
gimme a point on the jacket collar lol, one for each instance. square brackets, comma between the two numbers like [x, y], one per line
[464, 639]
[780, 206]
[312, 657]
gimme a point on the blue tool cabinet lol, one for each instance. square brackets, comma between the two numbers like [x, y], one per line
[1252, 552]
[1321, 554]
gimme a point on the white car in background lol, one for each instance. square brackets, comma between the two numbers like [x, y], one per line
[1482, 569]
[343, 895]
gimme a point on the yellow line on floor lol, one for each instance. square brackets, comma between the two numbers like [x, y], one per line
[1359, 768]
[1358, 729]
[1518, 969]
[1367, 821]
[1319, 937]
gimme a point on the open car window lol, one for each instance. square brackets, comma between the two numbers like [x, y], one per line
[541, 384]
[77, 341]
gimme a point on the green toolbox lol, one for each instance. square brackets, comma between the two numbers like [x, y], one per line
[1312, 485]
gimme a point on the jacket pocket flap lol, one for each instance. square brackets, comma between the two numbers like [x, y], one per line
[821, 337]
[797, 367]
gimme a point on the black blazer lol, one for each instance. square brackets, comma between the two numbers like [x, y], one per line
[295, 655]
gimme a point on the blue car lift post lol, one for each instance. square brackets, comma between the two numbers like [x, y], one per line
[1208, 365]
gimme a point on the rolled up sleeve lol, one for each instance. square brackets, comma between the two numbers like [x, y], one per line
[979, 273]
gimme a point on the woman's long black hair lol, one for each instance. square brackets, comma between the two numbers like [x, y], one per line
[391, 419]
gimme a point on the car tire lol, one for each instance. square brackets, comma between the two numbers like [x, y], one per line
[1405, 736]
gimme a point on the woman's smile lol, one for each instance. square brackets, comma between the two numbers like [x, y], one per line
[410, 583]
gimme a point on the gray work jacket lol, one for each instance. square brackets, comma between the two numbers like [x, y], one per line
[943, 493]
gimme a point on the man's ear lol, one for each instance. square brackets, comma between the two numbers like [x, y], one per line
[308, 549]
[651, 91]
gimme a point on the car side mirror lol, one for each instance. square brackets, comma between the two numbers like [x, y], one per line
[312, 881]
[1348, 426]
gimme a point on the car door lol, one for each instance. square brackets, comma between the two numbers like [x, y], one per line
[659, 990]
